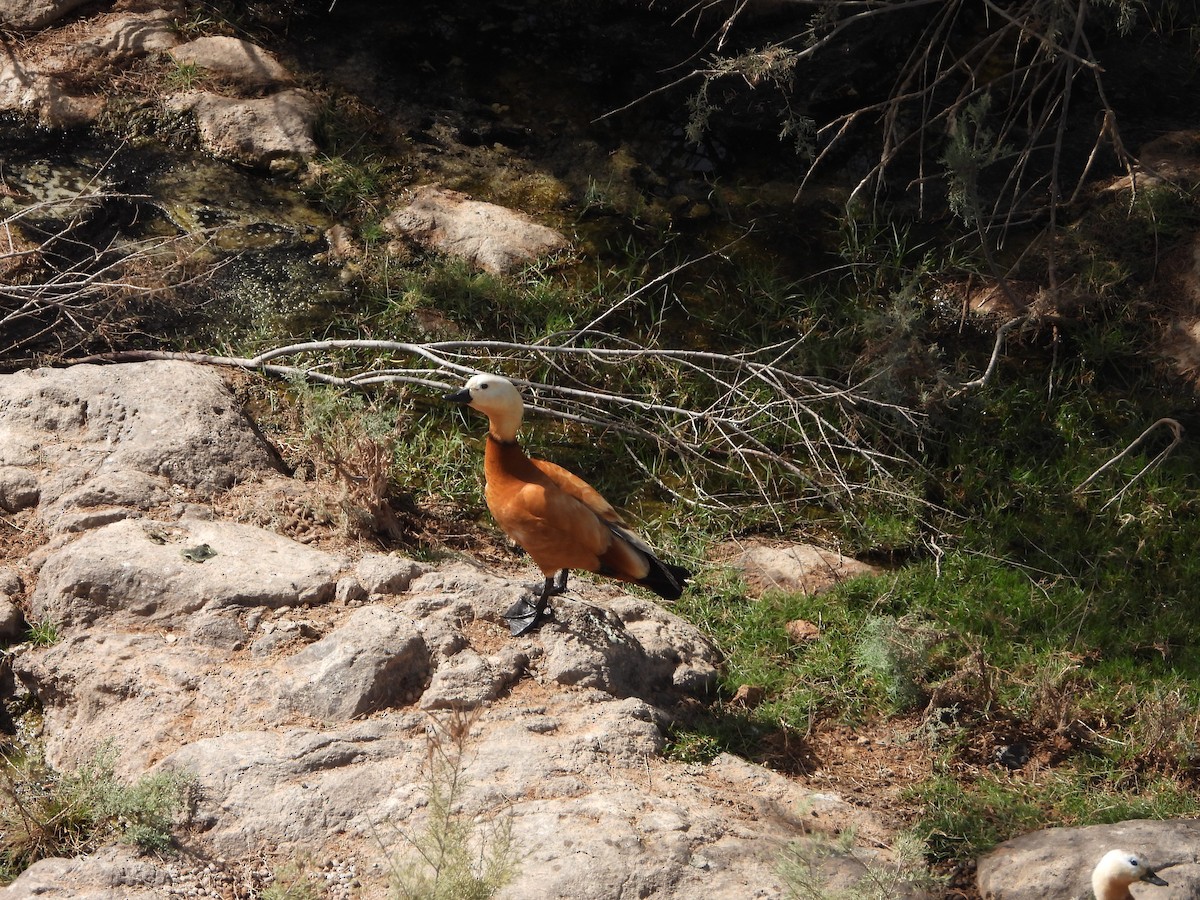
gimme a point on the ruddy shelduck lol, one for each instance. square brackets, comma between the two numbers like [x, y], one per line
[1116, 871]
[562, 521]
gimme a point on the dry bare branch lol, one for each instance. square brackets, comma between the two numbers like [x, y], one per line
[784, 435]
[1176, 430]
[57, 284]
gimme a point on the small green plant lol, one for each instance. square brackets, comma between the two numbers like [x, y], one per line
[183, 77]
[293, 882]
[43, 634]
[804, 866]
[693, 747]
[453, 857]
[341, 186]
[351, 439]
[896, 653]
[46, 813]
[197, 24]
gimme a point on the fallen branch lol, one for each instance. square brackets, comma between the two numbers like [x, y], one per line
[750, 417]
[1176, 430]
[62, 288]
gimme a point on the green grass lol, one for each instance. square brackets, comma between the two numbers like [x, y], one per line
[45, 813]
[964, 817]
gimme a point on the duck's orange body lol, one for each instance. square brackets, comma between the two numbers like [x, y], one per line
[562, 521]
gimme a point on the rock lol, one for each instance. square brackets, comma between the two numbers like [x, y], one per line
[274, 133]
[280, 788]
[589, 646]
[160, 572]
[748, 696]
[220, 629]
[469, 680]
[233, 59]
[10, 583]
[349, 591]
[18, 489]
[12, 620]
[693, 660]
[123, 37]
[112, 873]
[156, 694]
[381, 573]
[377, 659]
[121, 435]
[489, 236]
[791, 568]
[30, 15]
[801, 632]
[29, 91]
[1057, 863]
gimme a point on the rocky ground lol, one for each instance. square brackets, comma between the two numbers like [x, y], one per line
[303, 679]
[302, 687]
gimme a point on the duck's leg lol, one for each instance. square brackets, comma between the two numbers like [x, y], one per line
[522, 616]
[560, 585]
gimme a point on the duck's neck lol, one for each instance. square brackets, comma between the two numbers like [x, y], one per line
[503, 427]
[1108, 890]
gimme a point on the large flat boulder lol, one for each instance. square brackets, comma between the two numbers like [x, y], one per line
[492, 237]
[152, 571]
[121, 436]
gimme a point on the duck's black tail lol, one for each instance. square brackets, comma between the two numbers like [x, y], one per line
[665, 579]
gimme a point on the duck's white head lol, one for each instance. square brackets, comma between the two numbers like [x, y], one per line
[1116, 871]
[498, 399]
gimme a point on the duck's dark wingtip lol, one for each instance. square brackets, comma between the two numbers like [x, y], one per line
[665, 579]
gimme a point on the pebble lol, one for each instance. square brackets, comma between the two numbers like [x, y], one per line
[214, 881]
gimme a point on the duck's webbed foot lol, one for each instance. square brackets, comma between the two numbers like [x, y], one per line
[523, 616]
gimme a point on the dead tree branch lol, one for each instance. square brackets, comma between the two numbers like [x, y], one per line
[786, 435]
[1176, 430]
[57, 286]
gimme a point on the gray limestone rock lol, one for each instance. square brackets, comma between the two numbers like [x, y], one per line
[1057, 863]
[492, 237]
[385, 573]
[377, 659]
[121, 435]
[160, 572]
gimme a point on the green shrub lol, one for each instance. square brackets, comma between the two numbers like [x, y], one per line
[45, 813]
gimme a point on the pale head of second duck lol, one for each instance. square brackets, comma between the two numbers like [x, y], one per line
[1116, 871]
[498, 399]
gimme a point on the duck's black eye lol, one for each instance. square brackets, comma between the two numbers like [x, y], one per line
[1133, 861]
